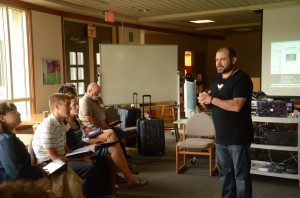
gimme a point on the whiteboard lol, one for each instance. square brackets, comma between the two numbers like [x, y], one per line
[143, 69]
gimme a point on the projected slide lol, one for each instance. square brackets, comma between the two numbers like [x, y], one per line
[280, 71]
[285, 57]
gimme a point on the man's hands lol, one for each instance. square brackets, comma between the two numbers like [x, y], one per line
[204, 98]
[86, 129]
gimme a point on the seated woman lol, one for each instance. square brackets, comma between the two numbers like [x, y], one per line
[114, 151]
[69, 89]
[15, 161]
[106, 136]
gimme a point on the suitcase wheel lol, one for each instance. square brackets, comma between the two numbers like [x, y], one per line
[193, 160]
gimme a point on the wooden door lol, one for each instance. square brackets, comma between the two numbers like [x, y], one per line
[77, 55]
[103, 36]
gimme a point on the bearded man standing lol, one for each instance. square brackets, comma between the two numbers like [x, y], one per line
[92, 112]
[230, 98]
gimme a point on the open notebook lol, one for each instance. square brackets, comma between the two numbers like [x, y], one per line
[89, 149]
[55, 166]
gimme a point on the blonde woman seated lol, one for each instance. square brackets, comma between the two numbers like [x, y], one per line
[114, 151]
[15, 161]
[106, 135]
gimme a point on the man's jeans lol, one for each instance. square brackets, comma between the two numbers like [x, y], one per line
[234, 165]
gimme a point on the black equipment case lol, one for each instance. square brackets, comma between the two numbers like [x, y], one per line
[282, 138]
[151, 134]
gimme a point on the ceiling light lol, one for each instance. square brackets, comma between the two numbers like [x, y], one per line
[203, 21]
[144, 10]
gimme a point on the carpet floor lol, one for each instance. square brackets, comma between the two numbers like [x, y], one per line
[195, 182]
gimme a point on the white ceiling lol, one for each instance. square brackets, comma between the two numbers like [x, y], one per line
[231, 16]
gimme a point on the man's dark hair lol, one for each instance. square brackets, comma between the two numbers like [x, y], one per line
[67, 90]
[232, 52]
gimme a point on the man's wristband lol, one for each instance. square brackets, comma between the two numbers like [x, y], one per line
[211, 100]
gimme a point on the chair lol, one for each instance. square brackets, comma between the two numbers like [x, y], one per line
[198, 139]
[169, 115]
[33, 159]
[130, 132]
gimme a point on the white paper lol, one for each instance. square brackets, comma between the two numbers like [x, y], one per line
[53, 166]
[85, 149]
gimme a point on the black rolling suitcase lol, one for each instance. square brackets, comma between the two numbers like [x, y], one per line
[151, 135]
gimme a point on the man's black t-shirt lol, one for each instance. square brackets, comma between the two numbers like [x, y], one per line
[233, 128]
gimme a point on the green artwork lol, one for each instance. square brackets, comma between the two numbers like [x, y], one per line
[51, 72]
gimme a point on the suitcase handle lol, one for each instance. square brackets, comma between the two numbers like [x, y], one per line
[146, 96]
[134, 98]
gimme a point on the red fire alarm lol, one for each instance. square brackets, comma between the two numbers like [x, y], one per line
[109, 16]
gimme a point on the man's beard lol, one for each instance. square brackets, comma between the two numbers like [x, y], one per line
[225, 70]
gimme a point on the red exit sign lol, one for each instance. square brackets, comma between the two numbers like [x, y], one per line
[109, 16]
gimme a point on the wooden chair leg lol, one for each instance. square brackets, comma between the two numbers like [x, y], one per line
[180, 168]
[177, 160]
[184, 159]
[176, 133]
[210, 162]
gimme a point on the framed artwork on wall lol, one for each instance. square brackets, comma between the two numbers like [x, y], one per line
[51, 70]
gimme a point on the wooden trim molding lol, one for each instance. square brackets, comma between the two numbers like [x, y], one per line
[63, 51]
[31, 62]
[102, 21]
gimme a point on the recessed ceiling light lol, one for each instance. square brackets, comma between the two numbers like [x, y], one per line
[203, 21]
[144, 10]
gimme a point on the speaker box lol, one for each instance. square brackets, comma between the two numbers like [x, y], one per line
[282, 138]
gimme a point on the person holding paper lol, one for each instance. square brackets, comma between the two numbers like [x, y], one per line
[49, 143]
[92, 112]
[105, 135]
[15, 161]
[114, 151]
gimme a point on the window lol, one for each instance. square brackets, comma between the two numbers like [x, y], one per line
[188, 61]
[14, 74]
[77, 55]
[76, 72]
